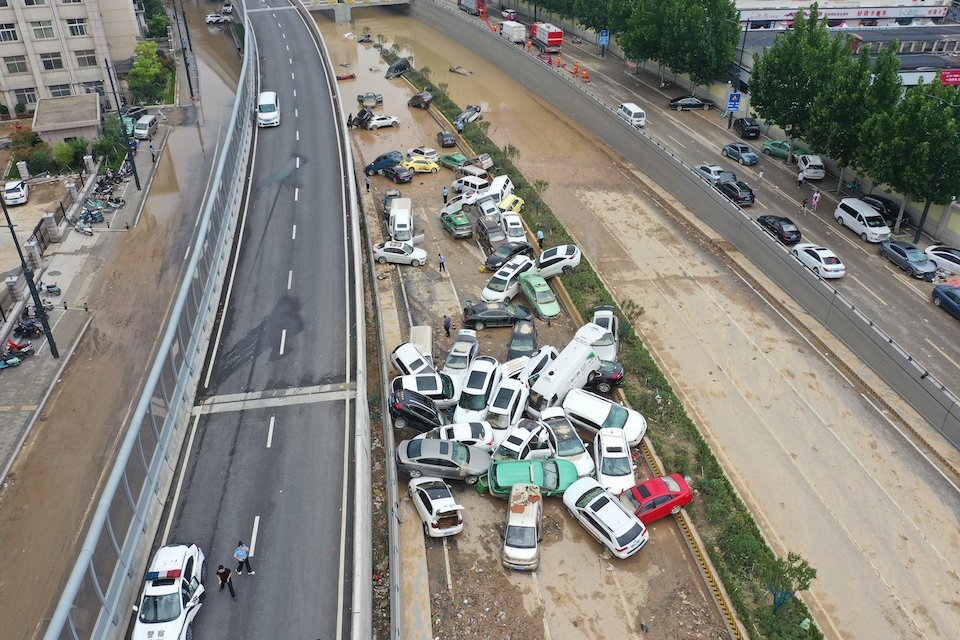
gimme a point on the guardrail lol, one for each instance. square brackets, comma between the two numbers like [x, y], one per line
[108, 570]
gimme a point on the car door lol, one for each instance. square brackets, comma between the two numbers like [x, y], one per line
[899, 256]
[424, 506]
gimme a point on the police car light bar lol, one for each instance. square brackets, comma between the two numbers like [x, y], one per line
[164, 575]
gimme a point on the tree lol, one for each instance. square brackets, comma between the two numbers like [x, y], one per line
[784, 578]
[63, 154]
[148, 76]
[886, 88]
[604, 14]
[712, 29]
[645, 37]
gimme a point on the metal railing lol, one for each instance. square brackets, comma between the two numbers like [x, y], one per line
[108, 570]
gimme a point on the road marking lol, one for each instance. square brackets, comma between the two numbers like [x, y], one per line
[294, 232]
[298, 162]
[940, 351]
[287, 46]
[298, 135]
[253, 536]
[284, 35]
[276, 398]
[867, 289]
[292, 76]
[289, 279]
[283, 340]
[291, 60]
[676, 141]
[273, 419]
[296, 114]
[296, 194]
[176, 493]
[294, 93]
[446, 561]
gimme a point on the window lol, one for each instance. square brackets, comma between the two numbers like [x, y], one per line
[93, 87]
[52, 61]
[16, 64]
[26, 96]
[8, 32]
[3, 3]
[70, 1]
[86, 58]
[42, 29]
[77, 26]
[34, 3]
[60, 90]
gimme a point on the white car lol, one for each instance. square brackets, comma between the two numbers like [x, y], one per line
[614, 464]
[607, 346]
[569, 445]
[593, 412]
[377, 122]
[217, 18]
[438, 509]
[424, 152]
[556, 260]
[461, 356]
[16, 192]
[713, 173]
[538, 362]
[505, 283]
[436, 386]
[820, 260]
[482, 378]
[512, 226]
[472, 434]
[507, 404]
[172, 593]
[410, 361]
[605, 518]
[227, 8]
[527, 440]
[521, 532]
[399, 253]
[946, 258]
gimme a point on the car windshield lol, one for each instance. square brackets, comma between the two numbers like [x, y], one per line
[501, 421]
[630, 536]
[268, 108]
[495, 233]
[162, 608]
[588, 496]
[516, 232]
[545, 296]
[616, 467]
[568, 444]
[605, 341]
[831, 260]
[473, 402]
[521, 537]
[672, 485]
[504, 252]
[617, 418]
[459, 453]
[551, 475]
[875, 222]
[789, 228]
[497, 284]
[913, 255]
[630, 501]
[17, 188]
[457, 361]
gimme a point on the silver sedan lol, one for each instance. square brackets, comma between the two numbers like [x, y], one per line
[399, 253]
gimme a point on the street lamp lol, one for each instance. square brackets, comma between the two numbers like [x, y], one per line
[34, 293]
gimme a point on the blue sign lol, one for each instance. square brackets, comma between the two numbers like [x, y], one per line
[604, 37]
[733, 101]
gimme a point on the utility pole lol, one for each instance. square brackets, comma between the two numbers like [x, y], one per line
[123, 130]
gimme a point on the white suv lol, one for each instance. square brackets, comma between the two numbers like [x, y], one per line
[482, 378]
[605, 518]
[563, 258]
[593, 412]
[505, 283]
[506, 406]
[614, 464]
[528, 439]
[522, 530]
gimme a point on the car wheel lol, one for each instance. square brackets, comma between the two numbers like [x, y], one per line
[426, 530]
[382, 260]
[863, 236]
[567, 270]
[723, 152]
[375, 127]
[434, 170]
[910, 272]
[368, 172]
[203, 572]
[394, 124]
[936, 301]
[400, 423]
[604, 387]
[740, 160]
[817, 271]
[479, 326]
[679, 107]
[839, 221]
[766, 152]
[676, 509]
[415, 263]
[415, 473]
[471, 480]
[706, 107]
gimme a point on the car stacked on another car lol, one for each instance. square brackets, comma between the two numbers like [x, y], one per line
[614, 462]
[427, 153]
[781, 228]
[472, 434]
[482, 378]
[490, 234]
[564, 258]
[410, 361]
[593, 412]
[493, 314]
[505, 283]
[506, 406]
[436, 386]
[505, 252]
[657, 497]
[540, 296]
[568, 443]
[460, 357]
[552, 476]
[414, 410]
[608, 345]
[442, 459]
[604, 380]
[383, 161]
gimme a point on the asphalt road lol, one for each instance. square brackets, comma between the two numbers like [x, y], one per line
[269, 464]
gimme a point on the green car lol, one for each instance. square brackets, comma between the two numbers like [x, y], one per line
[553, 476]
[457, 224]
[128, 124]
[540, 295]
[453, 160]
[782, 149]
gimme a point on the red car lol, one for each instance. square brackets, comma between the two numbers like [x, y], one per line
[657, 497]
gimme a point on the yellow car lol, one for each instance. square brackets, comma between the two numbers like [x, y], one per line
[421, 165]
[511, 203]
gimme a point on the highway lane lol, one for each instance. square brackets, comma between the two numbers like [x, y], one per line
[270, 464]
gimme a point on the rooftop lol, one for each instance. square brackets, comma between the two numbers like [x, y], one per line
[72, 111]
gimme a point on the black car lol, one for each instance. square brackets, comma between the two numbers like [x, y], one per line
[886, 207]
[690, 102]
[133, 112]
[397, 69]
[388, 198]
[399, 173]
[738, 191]
[609, 376]
[780, 228]
[388, 159]
[446, 139]
[414, 410]
[747, 127]
[493, 314]
[496, 259]
[422, 100]
[490, 233]
[363, 117]
[523, 340]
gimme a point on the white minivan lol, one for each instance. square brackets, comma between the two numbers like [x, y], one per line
[505, 283]
[812, 167]
[632, 114]
[268, 109]
[862, 219]
[572, 369]
[500, 187]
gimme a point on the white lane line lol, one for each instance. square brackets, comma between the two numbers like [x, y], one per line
[298, 135]
[446, 561]
[273, 419]
[294, 232]
[294, 93]
[291, 60]
[284, 35]
[289, 279]
[677, 141]
[296, 113]
[940, 351]
[253, 536]
[292, 76]
[296, 194]
[867, 289]
[283, 340]
[287, 46]
[298, 162]
[183, 471]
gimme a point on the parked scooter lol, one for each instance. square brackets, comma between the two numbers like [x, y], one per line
[30, 328]
[80, 227]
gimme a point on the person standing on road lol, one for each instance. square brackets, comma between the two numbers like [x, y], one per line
[366, 181]
[447, 324]
[760, 174]
[350, 120]
[803, 207]
[815, 200]
[153, 153]
[442, 262]
[540, 238]
[224, 579]
[242, 556]
[800, 177]
[444, 192]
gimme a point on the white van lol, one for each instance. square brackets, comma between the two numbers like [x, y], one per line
[470, 184]
[632, 114]
[268, 109]
[146, 126]
[470, 170]
[421, 336]
[500, 187]
[862, 219]
[513, 31]
[401, 226]
[522, 532]
[812, 167]
[572, 369]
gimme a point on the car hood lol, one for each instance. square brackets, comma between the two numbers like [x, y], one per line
[142, 631]
[583, 462]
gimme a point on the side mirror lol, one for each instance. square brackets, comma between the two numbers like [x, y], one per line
[136, 608]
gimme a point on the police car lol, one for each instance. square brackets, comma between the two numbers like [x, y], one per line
[172, 594]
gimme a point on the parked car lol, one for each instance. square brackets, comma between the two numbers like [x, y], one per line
[552, 476]
[438, 509]
[414, 410]
[421, 100]
[614, 462]
[521, 532]
[509, 14]
[493, 314]
[482, 378]
[370, 99]
[490, 234]
[714, 173]
[512, 202]
[446, 139]
[410, 361]
[690, 102]
[887, 208]
[568, 443]
[421, 165]
[747, 127]
[506, 405]
[780, 149]
[506, 252]
[540, 296]
[740, 152]
[399, 253]
[738, 191]
[564, 258]
[173, 593]
[605, 518]
[460, 357]
[473, 434]
[944, 257]
[657, 497]
[593, 412]
[607, 346]
[909, 258]
[400, 174]
[16, 192]
[484, 161]
[388, 198]
[452, 160]
[512, 226]
[383, 161]
[424, 152]
[442, 459]
[505, 282]
[523, 340]
[781, 228]
[380, 121]
[397, 69]
[436, 386]
[609, 376]
[216, 18]
[820, 260]
[862, 219]
[947, 297]
[457, 224]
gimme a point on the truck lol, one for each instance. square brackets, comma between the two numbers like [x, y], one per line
[472, 7]
[546, 37]
[513, 32]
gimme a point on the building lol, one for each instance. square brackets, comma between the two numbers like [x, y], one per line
[57, 48]
[59, 120]
[778, 14]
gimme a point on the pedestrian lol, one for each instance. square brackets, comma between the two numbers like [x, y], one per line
[350, 120]
[242, 556]
[442, 262]
[366, 181]
[459, 126]
[800, 179]
[444, 192]
[803, 206]
[540, 238]
[153, 153]
[224, 579]
[447, 323]
[815, 201]
[760, 174]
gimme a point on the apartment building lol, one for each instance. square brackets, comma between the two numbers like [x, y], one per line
[57, 48]
[778, 14]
